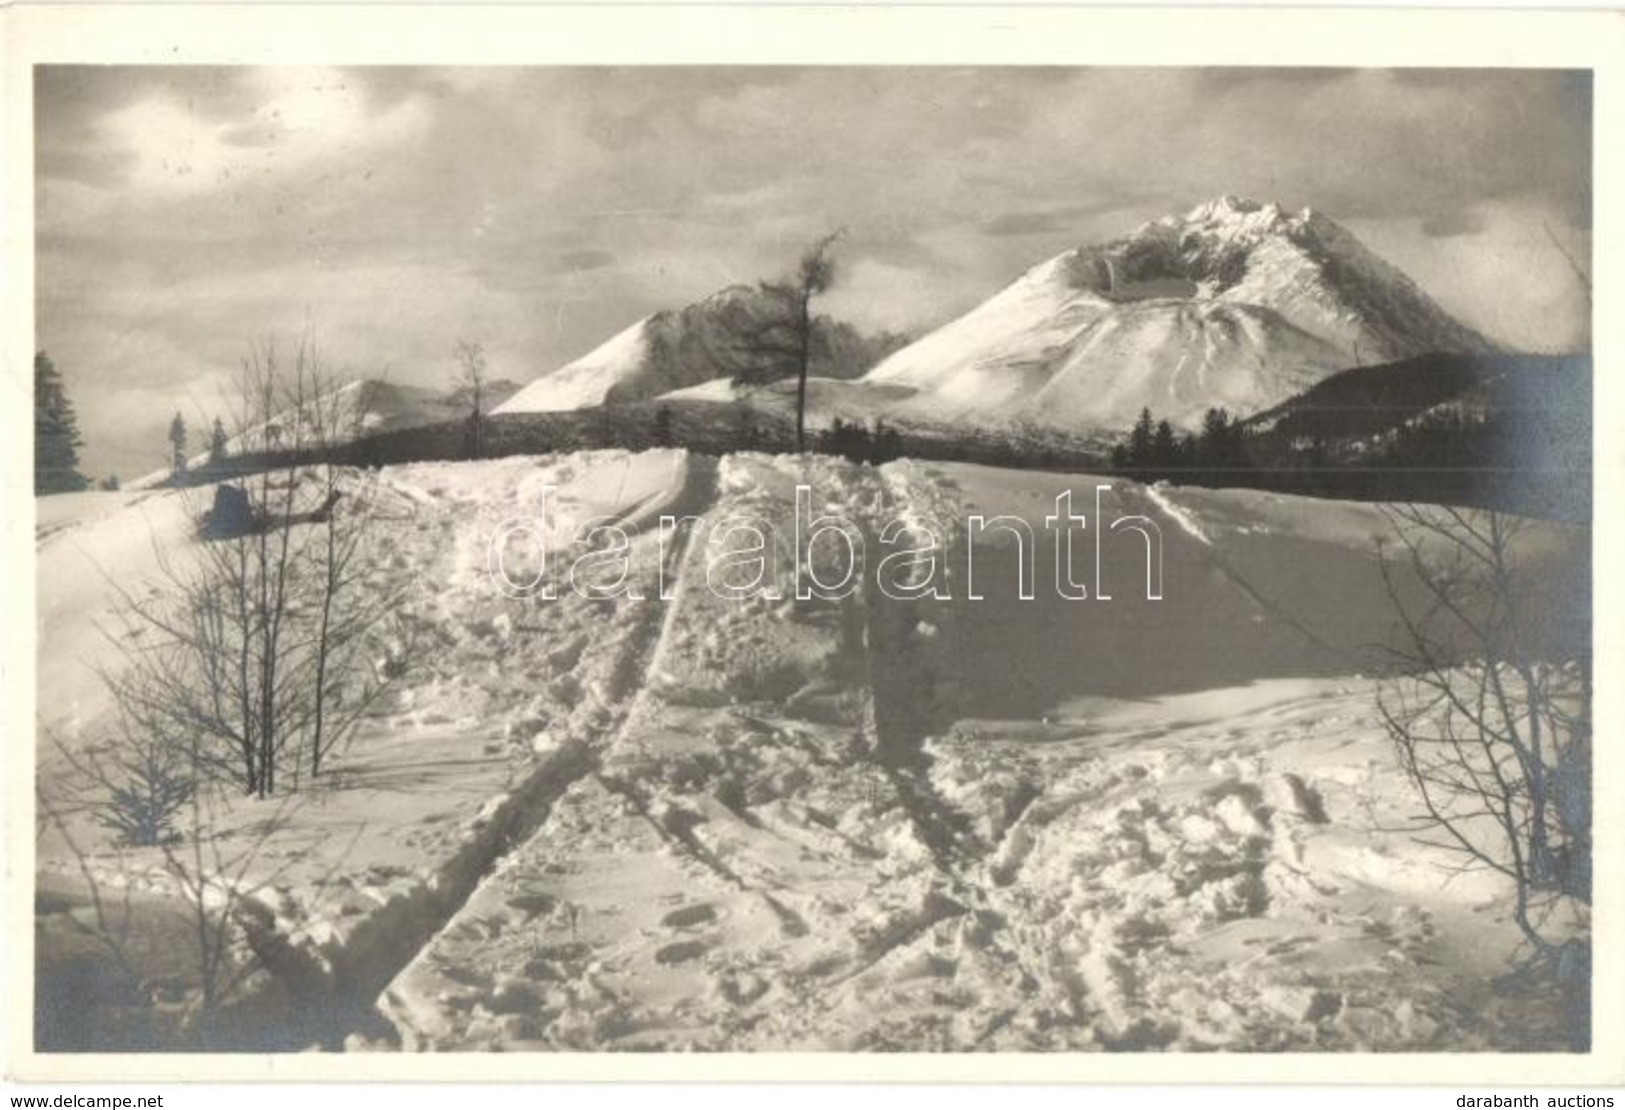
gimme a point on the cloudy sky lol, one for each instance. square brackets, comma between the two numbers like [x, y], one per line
[182, 213]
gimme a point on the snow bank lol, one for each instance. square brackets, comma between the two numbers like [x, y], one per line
[861, 822]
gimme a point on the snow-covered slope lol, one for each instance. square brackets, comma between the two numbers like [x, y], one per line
[621, 364]
[865, 823]
[677, 349]
[366, 406]
[828, 399]
[1233, 304]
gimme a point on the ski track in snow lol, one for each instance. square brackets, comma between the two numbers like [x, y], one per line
[778, 824]
[1178, 515]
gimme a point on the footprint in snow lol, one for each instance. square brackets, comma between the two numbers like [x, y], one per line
[689, 916]
[681, 952]
[533, 905]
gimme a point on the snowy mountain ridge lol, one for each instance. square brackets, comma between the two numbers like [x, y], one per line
[361, 407]
[1235, 303]
[678, 348]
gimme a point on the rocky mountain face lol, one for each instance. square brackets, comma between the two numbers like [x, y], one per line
[684, 347]
[1235, 304]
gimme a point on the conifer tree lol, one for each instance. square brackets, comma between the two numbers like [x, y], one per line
[1164, 447]
[219, 444]
[1220, 447]
[56, 433]
[781, 345]
[664, 432]
[1139, 440]
[177, 443]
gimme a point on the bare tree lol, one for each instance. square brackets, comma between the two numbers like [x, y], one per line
[470, 381]
[1490, 713]
[1579, 271]
[251, 658]
[781, 344]
[261, 645]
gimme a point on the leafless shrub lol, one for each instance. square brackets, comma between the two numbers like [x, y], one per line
[469, 382]
[1492, 721]
[244, 665]
[1490, 715]
[258, 652]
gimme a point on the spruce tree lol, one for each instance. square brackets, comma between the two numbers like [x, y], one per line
[664, 425]
[1221, 449]
[218, 444]
[1139, 440]
[1164, 447]
[177, 442]
[56, 433]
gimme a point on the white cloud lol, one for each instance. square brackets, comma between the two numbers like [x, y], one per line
[183, 213]
[1506, 277]
[300, 117]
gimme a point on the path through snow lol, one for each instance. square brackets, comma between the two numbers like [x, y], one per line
[867, 823]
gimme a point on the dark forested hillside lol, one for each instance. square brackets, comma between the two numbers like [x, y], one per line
[1369, 404]
[1510, 431]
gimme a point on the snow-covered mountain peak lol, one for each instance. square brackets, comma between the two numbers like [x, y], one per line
[737, 293]
[1235, 212]
[675, 349]
[1203, 252]
[1232, 303]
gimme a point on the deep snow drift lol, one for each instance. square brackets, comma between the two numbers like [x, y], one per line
[865, 822]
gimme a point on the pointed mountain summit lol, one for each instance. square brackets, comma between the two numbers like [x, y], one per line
[1233, 304]
[674, 349]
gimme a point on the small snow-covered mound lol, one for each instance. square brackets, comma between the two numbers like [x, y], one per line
[828, 399]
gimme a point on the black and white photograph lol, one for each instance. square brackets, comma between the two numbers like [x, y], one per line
[885, 559]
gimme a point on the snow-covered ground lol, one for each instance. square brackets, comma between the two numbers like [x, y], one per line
[864, 823]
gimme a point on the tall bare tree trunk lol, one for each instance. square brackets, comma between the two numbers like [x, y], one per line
[804, 333]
